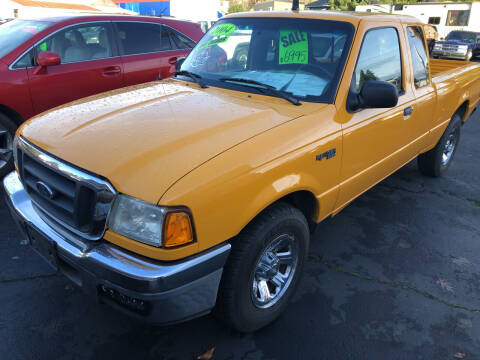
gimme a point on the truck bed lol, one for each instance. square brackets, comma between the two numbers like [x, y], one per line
[439, 67]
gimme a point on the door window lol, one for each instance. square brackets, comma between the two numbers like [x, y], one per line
[379, 59]
[419, 56]
[25, 61]
[79, 43]
[142, 38]
[180, 40]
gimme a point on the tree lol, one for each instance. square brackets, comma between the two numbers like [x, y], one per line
[235, 7]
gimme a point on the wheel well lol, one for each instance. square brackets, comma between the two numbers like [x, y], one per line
[462, 110]
[11, 114]
[304, 201]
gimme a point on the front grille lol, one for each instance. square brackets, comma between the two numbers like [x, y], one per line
[66, 195]
[449, 48]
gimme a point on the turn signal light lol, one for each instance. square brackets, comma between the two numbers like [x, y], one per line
[178, 230]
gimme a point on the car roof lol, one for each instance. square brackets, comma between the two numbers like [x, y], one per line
[96, 17]
[351, 16]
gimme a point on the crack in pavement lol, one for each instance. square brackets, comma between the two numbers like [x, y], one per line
[425, 294]
[7, 281]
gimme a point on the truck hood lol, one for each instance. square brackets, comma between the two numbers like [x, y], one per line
[146, 137]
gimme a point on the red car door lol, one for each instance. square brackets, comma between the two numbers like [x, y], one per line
[147, 51]
[90, 65]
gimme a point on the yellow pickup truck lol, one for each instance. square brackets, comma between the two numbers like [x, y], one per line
[170, 199]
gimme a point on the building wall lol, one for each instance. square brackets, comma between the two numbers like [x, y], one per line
[276, 5]
[425, 11]
[157, 8]
[10, 9]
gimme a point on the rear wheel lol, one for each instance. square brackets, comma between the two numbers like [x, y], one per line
[436, 161]
[7, 132]
[264, 268]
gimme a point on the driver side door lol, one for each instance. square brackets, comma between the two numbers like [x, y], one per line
[374, 140]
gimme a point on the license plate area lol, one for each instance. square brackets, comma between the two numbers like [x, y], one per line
[43, 246]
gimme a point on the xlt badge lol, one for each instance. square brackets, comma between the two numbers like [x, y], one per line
[327, 154]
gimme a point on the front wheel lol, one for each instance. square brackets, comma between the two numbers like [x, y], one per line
[436, 161]
[264, 268]
[7, 132]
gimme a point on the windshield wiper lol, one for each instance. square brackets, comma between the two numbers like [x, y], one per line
[195, 77]
[265, 87]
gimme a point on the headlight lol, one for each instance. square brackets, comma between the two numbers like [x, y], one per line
[437, 47]
[150, 224]
[463, 48]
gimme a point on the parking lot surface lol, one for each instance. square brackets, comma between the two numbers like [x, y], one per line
[396, 275]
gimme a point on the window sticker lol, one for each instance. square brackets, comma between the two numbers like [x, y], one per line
[214, 42]
[222, 30]
[293, 47]
[43, 46]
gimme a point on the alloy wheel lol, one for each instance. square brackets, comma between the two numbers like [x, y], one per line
[274, 271]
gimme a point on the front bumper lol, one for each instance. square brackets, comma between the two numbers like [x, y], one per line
[158, 292]
[447, 54]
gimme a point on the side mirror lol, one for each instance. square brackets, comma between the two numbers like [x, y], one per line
[45, 59]
[179, 63]
[378, 94]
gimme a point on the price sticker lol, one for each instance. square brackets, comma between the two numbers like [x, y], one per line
[293, 47]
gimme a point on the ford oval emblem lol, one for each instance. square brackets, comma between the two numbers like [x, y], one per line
[45, 190]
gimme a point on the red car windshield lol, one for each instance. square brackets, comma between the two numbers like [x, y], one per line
[16, 32]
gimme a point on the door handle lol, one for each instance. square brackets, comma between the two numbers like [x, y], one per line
[110, 71]
[408, 111]
[172, 60]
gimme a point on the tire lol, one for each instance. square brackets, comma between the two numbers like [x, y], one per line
[436, 161]
[7, 133]
[240, 302]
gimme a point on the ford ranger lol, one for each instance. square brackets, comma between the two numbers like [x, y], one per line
[170, 199]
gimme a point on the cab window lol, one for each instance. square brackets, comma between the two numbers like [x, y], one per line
[419, 56]
[379, 59]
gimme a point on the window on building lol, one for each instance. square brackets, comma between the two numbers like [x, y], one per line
[435, 20]
[458, 17]
[419, 56]
[379, 59]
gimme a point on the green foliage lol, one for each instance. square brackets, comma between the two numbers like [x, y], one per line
[351, 4]
[235, 8]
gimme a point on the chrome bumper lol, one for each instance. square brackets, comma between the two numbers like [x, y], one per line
[447, 54]
[170, 292]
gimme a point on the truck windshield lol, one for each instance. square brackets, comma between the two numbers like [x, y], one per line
[300, 58]
[462, 36]
[14, 33]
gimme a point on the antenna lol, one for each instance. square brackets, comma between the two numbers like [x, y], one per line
[295, 5]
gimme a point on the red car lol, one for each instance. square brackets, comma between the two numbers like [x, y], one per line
[50, 61]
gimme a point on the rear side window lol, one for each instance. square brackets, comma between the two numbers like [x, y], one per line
[419, 56]
[142, 38]
[379, 59]
[180, 40]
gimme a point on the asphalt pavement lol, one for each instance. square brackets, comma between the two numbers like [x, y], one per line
[396, 275]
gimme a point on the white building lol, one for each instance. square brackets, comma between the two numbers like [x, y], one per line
[445, 16]
[39, 8]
